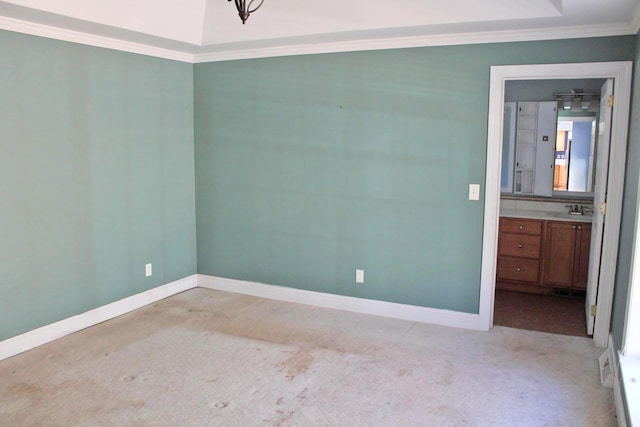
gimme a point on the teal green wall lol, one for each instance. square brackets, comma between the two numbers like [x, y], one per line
[629, 210]
[306, 168]
[309, 167]
[96, 177]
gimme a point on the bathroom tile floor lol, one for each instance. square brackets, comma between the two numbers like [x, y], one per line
[544, 313]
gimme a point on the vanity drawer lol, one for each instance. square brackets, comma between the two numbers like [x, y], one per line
[520, 226]
[518, 269]
[520, 245]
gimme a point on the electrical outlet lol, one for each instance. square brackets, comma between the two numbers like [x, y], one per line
[148, 270]
[359, 276]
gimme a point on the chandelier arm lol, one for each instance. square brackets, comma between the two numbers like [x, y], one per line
[245, 10]
[256, 8]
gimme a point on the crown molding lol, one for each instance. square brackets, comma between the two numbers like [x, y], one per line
[371, 43]
[56, 33]
[421, 41]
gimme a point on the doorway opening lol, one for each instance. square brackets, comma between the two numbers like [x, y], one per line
[620, 73]
[548, 164]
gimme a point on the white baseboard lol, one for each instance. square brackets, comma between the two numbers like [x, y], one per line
[28, 340]
[618, 398]
[340, 302]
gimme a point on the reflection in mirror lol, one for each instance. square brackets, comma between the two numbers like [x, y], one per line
[572, 170]
[574, 155]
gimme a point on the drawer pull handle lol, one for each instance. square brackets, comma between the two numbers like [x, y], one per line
[574, 227]
[518, 269]
[520, 246]
[521, 227]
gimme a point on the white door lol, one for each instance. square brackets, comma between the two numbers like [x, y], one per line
[599, 201]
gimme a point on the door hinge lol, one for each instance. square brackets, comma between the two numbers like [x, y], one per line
[593, 310]
[603, 208]
[610, 101]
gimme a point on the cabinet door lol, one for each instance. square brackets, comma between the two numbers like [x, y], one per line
[583, 244]
[526, 157]
[545, 148]
[526, 147]
[527, 109]
[559, 254]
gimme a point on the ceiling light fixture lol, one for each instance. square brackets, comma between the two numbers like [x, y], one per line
[244, 9]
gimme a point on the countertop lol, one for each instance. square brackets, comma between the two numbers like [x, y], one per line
[544, 215]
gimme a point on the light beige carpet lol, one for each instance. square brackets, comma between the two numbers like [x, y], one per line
[214, 358]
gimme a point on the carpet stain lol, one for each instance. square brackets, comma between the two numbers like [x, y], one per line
[403, 372]
[51, 398]
[25, 388]
[258, 325]
[302, 394]
[221, 404]
[446, 374]
[297, 364]
[280, 417]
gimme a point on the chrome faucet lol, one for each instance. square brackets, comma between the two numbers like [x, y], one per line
[579, 209]
[574, 209]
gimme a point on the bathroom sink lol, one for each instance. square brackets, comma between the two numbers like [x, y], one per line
[563, 216]
[570, 214]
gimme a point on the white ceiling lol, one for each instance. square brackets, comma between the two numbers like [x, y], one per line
[202, 30]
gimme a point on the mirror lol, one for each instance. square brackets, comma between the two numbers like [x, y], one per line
[570, 153]
[574, 154]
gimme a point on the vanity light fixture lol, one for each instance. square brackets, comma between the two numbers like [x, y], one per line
[577, 100]
[244, 9]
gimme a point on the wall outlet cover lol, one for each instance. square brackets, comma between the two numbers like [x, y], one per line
[474, 191]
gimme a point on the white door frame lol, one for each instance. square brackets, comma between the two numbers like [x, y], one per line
[621, 73]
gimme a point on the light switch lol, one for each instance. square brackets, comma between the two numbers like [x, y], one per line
[474, 191]
[359, 276]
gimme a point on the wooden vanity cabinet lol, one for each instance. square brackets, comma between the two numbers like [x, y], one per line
[566, 254]
[519, 247]
[539, 255]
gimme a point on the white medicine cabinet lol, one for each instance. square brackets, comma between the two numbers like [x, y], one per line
[529, 147]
